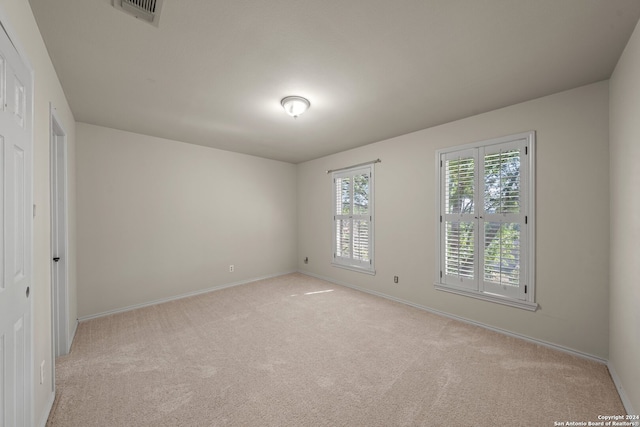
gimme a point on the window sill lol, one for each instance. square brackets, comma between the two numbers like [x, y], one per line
[525, 305]
[354, 268]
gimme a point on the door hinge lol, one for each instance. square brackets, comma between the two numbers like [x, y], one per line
[526, 150]
[441, 274]
[440, 163]
[525, 289]
[526, 219]
[440, 218]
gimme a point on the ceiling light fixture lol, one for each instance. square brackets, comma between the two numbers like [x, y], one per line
[295, 105]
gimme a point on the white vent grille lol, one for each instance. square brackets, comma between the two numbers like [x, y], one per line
[147, 10]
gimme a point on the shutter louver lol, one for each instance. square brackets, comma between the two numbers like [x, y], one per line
[361, 240]
[343, 196]
[460, 186]
[502, 253]
[343, 231]
[460, 249]
[502, 182]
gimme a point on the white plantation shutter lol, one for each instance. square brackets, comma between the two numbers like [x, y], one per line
[505, 182]
[342, 196]
[353, 218]
[459, 175]
[486, 231]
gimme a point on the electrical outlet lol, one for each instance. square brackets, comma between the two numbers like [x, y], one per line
[42, 372]
[231, 268]
[395, 279]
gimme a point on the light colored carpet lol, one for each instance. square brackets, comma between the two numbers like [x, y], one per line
[297, 351]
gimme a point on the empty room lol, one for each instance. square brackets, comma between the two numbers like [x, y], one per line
[299, 213]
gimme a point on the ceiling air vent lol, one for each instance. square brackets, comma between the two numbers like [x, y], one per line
[147, 10]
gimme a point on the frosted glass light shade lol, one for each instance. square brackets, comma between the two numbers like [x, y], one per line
[295, 105]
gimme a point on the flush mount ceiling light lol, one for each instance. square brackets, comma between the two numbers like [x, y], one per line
[295, 105]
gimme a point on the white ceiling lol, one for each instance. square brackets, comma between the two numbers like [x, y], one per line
[214, 71]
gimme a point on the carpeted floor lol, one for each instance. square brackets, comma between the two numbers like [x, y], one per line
[297, 351]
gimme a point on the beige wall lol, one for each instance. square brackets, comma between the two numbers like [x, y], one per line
[22, 27]
[572, 217]
[160, 218]
[624, 329]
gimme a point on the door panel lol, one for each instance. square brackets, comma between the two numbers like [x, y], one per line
[2, 198]
[3, 358]
[19, 220]
[20, 385]
[15, 237]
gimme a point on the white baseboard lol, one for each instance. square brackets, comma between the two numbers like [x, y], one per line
[45, 415]
[181, 296]
[462, 319]
[623, 396]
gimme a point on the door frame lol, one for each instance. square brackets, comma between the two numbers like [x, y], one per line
[5, 25]
[59, 237]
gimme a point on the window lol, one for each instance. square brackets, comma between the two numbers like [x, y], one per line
[485, 245]
[353, 219]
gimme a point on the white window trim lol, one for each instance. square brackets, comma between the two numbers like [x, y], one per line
[529, 303]
[341, 262]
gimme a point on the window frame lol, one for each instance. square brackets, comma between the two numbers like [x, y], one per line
[350, 263]
[476, 287]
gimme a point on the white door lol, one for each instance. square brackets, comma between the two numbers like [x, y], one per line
[15, 237]
[59, 244]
